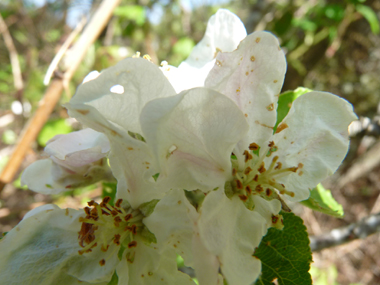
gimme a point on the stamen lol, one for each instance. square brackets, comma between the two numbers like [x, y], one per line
[254, 146]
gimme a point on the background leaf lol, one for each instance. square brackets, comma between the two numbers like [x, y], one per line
[285, 254]
[370, 16]
[321, 200]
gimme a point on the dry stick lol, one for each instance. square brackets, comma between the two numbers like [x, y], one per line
[362, 229]
[53, 93]
[16, 70]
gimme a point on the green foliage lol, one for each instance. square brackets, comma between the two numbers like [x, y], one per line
[9, 137]
[370, 16]
[285, 254]
[285, 102]
[183, 47]
[321, 200]
[53, 128]
[109, 189]
[326, 276]
[131, 12]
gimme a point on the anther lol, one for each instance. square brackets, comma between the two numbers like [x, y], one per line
[239, 184]
[118, 203]
[102, 262]
[132, 244]
[247, 170]
[253, 146]
[248, 189]
[106, 200]
[262, 167]
[243, 197]
[247, 155]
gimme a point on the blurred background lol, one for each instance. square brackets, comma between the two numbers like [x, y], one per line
[330, 46]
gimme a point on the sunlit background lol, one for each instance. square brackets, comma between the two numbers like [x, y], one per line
[330, 46]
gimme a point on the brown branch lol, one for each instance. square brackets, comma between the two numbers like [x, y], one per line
[16, 70]
[362, 229]
[53, 93]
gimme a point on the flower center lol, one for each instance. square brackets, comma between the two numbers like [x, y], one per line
[110, 226]
[257, 179]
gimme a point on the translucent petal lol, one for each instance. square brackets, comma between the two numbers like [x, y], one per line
[41, 248]
[172, 222]
[192, 135]
[153, 267]
[315, 138]
[252, 77]
[232, 232]
[224, 33]
[131, 165]
[141, 80]
[39, 178]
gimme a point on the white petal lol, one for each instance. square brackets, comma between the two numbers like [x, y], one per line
[153, 267]
[192, 135]
[39, 178]
[131, 165]
[252, 77]
[232, 232]
[172, 223]
[266, 208]
[80, 148]
[206, 264]
[142, 81]
[39, 249]
[224, 33]
[317, 137]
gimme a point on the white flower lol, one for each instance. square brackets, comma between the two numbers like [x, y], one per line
[308, 146]
[76, 159]
[44, 248]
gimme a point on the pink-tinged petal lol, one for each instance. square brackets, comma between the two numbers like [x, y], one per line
[314, 138]
[120, 92]
[192, 136]
[79, 148]
[232, 232]
[252, 77]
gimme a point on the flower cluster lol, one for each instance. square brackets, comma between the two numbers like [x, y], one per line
[201, 170]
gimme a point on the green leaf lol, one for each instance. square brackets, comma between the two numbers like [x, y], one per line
[285, 254]
[370, 16]
[321, 200]
[114, 279]
[53, 128]
[131, 12]
[285, 101]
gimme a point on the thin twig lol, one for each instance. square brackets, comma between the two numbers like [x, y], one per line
[362, 229]
[53, 93]
[16, 70]
[57, 58]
